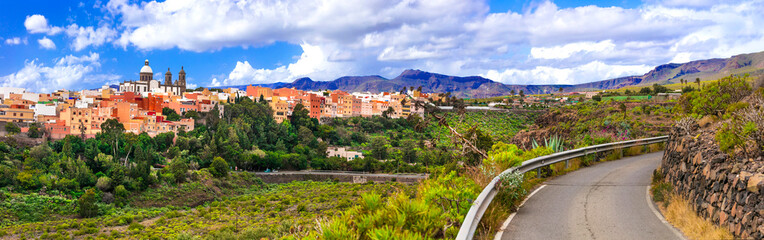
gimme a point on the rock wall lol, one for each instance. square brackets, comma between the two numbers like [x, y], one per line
[728, 190]
[289, 176]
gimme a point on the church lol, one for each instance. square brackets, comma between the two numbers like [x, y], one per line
[146, 83]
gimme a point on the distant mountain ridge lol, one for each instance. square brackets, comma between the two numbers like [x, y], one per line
[475, 86]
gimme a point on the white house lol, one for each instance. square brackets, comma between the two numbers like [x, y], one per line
[341, 152]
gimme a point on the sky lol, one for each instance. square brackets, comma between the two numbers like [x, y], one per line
[51, 45]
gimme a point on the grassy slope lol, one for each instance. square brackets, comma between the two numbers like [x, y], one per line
[501, 126]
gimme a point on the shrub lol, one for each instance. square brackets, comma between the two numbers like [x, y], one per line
[662, 192]
[11, 128]
[120, 194]
[103, 184]
[178, 168]
[107, 198]
[219, 167]
[87, 204]
[715, 98]
[135, 226]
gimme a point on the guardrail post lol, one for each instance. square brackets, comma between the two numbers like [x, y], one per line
[567, 163]
[538, 172]
[621, 153]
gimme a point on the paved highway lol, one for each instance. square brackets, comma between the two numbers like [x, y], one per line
[604, 201]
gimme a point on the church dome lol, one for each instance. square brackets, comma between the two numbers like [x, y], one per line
[146, 68]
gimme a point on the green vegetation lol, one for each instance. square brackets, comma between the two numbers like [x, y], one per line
[592, 122]
[191, 185]
[732, 100]
[11, 128]
[434, 213]
[500, 126]
[715, 98]
[271, 212]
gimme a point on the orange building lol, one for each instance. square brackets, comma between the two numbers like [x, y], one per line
[16, 113]
[280, 109]
[257, 91]
[289, 93]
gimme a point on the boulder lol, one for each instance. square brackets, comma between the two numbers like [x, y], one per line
[698, 159]
[754, 182]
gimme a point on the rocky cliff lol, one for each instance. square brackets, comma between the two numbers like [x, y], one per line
[728, 190]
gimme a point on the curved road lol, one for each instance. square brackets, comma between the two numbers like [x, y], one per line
[604, 201]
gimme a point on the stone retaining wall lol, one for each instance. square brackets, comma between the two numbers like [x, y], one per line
[286, 177]
[727, 190]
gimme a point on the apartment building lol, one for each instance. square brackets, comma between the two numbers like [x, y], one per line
[16, 113]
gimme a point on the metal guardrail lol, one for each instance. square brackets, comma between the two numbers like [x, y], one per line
[480, 205]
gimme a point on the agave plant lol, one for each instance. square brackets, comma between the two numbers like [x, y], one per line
[556, 143]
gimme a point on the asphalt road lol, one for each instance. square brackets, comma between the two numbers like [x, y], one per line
[604, 201]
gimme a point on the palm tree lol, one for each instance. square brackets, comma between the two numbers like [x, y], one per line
[697, 81]
[622, 106]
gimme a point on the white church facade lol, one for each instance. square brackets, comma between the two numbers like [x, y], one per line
[146, 83]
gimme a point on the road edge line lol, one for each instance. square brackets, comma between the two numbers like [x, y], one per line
[504, 226]
[658, 214]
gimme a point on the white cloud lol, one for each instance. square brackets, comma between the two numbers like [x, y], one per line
[81, 36]
[15, 41]
[312, 63]
[87, 36]
[216, 83]
[203, 25]
[67, 72]
[39, 24]
[567, 50]
[589, 72]
[46, 43]
[545, 44]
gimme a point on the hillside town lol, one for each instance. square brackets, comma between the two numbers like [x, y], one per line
[139, 105]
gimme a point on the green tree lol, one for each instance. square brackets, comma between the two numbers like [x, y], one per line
[34, 131]
[657, 88]
[388, 112]
[306, 137]
[622, 106]
[697, 81]
[11, 128]
[379, 148]
[121, 194]
[262, 100]
[178, 168]
[301, 117]
[67, 149]
[87, 204]
[113, 131]
[597, 98]
[219, 167]
[170, 114]
[409, 151]
[192, 114]
[645, 91]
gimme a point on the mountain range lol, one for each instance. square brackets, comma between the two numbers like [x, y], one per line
[475, 86]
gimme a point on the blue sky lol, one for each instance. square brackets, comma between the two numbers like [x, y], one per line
[49, 45]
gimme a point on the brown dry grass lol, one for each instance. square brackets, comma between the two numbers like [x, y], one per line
[680, 214]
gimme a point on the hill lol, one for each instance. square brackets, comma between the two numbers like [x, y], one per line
[476, 86]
